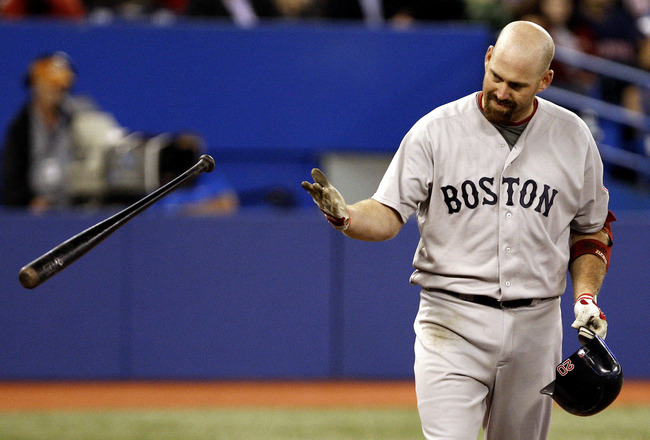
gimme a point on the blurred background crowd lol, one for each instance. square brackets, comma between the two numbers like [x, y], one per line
[587, 20]
[617, 30]
[612, 30]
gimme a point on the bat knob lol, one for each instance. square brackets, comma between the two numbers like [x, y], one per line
[28, 277]
[208, 161]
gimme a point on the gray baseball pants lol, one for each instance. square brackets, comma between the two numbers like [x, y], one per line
[477, 365]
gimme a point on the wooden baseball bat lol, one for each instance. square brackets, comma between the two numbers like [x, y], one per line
[66, 253]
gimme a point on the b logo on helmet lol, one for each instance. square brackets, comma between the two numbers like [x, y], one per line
[564, 368]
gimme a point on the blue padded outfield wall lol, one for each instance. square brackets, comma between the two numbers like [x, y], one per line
[274, 296]
[267, 293]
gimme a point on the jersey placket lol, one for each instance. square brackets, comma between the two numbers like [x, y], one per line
[508, 227]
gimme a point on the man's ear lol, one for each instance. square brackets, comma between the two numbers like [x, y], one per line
[488, 55]
[546, 80]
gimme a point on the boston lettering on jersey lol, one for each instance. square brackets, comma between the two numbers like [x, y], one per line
[471, 194]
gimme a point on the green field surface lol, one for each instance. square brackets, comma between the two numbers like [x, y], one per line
[616, 423]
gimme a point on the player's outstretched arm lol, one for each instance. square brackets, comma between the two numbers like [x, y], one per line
[367, 220]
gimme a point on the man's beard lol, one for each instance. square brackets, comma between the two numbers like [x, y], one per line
[498, 115]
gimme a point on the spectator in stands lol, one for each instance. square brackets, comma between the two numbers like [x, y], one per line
[426, 10]
[300, 9]
[494, 13]
[245, 13]
[67, 9]
[157, 10]
[39, 142]
[519, 7]
[398, 12]
[61, 150]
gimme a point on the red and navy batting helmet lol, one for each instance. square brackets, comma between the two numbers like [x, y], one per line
[588, 381]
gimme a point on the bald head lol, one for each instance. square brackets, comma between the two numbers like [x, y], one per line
[528, 43]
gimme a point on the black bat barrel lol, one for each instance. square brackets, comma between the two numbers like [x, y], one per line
[66, 253]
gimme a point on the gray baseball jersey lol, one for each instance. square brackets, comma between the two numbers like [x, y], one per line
[495, 221]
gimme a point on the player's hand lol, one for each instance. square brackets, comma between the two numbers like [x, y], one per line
[589, 316]
[328, 199]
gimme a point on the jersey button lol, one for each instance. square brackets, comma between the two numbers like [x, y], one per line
[509, 215]
[508, 250]
[507, 283]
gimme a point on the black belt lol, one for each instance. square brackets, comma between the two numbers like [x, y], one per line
[492, 302]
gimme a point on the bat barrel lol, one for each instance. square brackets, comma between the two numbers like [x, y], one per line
[57, 259]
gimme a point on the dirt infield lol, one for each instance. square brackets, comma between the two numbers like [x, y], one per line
[16, 396]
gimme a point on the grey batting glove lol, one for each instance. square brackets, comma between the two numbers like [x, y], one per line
[589, 317]
[328, 199]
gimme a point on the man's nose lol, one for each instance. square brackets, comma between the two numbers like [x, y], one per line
[502, 92]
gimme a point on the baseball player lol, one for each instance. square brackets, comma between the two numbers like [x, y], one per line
[508, 193]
